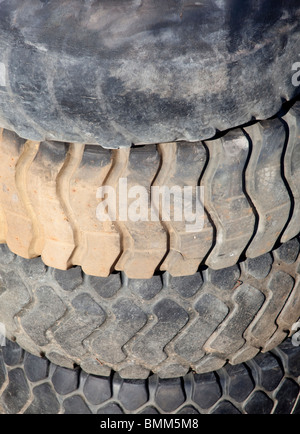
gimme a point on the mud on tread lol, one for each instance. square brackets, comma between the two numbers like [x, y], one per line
[166, 325]
[267, 384]
[250, 177]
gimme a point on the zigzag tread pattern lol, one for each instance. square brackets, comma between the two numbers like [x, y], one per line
[239, 311]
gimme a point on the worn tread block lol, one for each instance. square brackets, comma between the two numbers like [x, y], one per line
[97, 389]
[6, 255]
[111, 408]
[13, 354]
[206, 390]
[17, 393]
[106, 287]
[147, 289]
[36, 368]
[188, 410]
[292, 169]
[133, 394]
[291, 358]
[229, 338]
[289, 251]
[260, 267]
[85, 317]
[280, 286]
[32, 267]
[265, 185]
[44, 401]
[47, 310]
[128, 319]
[13, 297]
[226, 407]
[225, 279]
[211, 312]
[149, 410]
[286, 396]
[169, 394]
[75, 405]
[240, 382]
[170, 320]
[259, 403]
[270, 371]
[65, 380]
[226, 200]
[69, 279]
[187, 286]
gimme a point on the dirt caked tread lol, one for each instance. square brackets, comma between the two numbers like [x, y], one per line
[166, 325]
[268, 384]
[249, 179]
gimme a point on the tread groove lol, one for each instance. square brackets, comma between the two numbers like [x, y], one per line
[26, 159]
[68, 170]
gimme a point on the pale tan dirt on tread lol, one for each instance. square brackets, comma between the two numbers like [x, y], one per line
[48, 200]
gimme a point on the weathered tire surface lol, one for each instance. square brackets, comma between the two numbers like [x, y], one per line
[143, 71]
[250, 178]
[267, 384]
[164, 325]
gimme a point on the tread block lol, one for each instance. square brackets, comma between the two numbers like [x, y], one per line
[229, 338]
[65, 380]
[169, 394]
[287, 396]
[211, 312]
[265, 185]
[206, 390]
[270, 371]
[75, 405]
[97, 389]
[44, 401]
[127, 319]
[225, 198]
[133, 394]
[280, 285]
[240, 382]
[46, 311]
[13, 297]
[17, 393]
[36, 368]
[259, 403]
[79, 323]
[171, 318]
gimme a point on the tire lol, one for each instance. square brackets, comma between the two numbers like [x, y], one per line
[267, 384]
[164, 325]
[146, 290]
[108, 83]
[250, 178]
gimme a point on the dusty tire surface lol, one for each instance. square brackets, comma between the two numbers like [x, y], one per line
[136, 73]
[251, 200]
[269, 384]
[166, 325]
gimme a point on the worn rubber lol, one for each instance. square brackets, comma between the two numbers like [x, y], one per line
[269, 384]
[250, 178]
[166, 325]
[143, 71]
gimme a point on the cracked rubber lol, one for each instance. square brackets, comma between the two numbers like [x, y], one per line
[166, 325]
[269, 384]
[250, 179]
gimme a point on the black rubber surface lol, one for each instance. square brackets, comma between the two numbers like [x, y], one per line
[267, 384]
[115, 73]
[163, 325]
